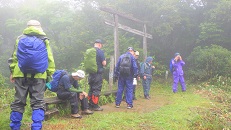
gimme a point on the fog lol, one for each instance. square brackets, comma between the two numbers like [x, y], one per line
[73, 25]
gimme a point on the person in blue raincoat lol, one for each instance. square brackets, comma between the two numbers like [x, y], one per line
[126, 81]
[178, 73]
[146, 71]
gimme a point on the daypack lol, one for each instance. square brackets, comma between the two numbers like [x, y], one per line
[32, 55]
[141, 65]
[171, 68]
[54, 84]
[90, 63]
[125, 66]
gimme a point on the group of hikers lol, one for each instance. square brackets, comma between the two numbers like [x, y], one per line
[32, 64]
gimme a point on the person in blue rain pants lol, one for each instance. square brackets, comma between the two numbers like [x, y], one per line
[34, 86]
[178, 73]
[126, 69]
[146, 71]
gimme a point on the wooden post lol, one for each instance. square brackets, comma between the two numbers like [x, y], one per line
[145, 42]
[111, 72]
[116, 41]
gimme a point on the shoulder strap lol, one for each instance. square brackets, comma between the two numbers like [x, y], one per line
[62, 74]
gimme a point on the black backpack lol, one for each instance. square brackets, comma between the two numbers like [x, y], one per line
[125, 66]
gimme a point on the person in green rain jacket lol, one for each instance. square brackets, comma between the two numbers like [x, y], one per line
[35, 86]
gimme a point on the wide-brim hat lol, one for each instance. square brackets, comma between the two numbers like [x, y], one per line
[35, 23]
[79, 73]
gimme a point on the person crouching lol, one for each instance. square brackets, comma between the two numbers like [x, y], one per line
[74, 94]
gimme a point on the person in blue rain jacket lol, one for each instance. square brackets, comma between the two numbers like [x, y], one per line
[146, 71]
[126, 81]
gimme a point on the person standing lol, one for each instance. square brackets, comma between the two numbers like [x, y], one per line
[136, 55]
[95, 79]
[126, 69]
[178, 73]
[67, 92]
[32, 84]
[146, 71]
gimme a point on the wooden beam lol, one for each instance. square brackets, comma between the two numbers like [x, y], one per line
[126, 28]
[112, 11]
[116, 38]
[145, 42]
[111, 72]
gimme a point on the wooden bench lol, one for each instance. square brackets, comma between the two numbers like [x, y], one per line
[107, 93]
[55, 101]
[49, 112]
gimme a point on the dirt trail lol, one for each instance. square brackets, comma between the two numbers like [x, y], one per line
[141, 105]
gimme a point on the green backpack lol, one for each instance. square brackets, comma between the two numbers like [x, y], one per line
[90, 63]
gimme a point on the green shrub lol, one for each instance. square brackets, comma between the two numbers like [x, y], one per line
[208, 62]
[221, 82]
[3, 81]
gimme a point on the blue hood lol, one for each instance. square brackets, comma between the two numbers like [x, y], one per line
[149, 59]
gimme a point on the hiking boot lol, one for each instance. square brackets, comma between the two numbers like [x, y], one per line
[76, 116]
[147, 97]
[129, 106]
[87, 112]
[117, 106]
[97, 109]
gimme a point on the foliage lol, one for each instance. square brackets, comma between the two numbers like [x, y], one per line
[7, 96]
[3, 81]
[103, 100]
[207, 62]
[206, 120]
[72, 26]
[160, 69]
[218, 91]
[210, 32]
[221, 82]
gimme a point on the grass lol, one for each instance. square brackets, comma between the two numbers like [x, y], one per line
[174, 116]
[165, 111]
[178, 114]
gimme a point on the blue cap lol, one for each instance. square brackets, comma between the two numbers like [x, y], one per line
[98, 41]
[176, 54]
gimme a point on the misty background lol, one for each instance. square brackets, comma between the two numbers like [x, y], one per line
[198, 29]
